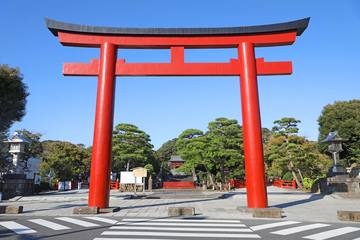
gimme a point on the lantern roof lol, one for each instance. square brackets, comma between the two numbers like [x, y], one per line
[333, 137]
[18, 138]
[176, 158]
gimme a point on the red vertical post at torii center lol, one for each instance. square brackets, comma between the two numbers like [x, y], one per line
[247, 66]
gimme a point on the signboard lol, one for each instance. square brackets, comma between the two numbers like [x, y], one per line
[62, 186]
[37, 179]
[128, 178]
[140, 172]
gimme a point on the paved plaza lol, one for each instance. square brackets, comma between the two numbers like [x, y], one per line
[296, 205]
[219, 215]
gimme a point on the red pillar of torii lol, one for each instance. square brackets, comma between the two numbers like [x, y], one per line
[245, 39]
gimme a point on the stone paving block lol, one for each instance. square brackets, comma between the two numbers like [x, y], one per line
[2, 209]
[109, 210]
[14, 209]
[267, 212]
[353, 216]
[86, 210]
[181, 211]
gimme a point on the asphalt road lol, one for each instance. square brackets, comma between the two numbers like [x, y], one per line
[111, 228]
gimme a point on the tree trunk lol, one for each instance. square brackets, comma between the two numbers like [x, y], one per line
[222, 173]
[160, 172]
[128, 165]
[211, 177]
[301, 176]
[194, 175]
[291, 168]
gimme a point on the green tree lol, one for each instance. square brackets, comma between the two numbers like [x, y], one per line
[226, 147]
[302, 154]
[266, 135]
[167, 150]
[163, 155]
[34, 148]
[286, 126]
[220, 149]
[343, 117]
[192, 146]
[5, 162]
[287, 153]
[150, 170]
[67, 160]
[13, 93]
[131, 148]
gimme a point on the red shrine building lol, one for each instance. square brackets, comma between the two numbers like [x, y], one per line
[175, 162]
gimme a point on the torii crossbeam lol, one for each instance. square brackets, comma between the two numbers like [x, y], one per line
[245, 39]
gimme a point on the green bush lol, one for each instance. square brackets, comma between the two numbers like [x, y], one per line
[308, 182]
[288, 176]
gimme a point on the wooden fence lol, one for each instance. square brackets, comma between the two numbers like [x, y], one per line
[284, 183]
[179, 185]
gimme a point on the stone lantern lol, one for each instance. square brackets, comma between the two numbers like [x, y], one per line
[335, 147]
[17, 147]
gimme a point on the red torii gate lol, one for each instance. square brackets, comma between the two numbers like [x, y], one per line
[109, 39]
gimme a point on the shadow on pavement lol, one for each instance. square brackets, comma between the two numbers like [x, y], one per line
[169, 203]
[56, 207]
[312, 198]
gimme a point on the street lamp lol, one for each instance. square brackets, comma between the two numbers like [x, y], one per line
[335, 147]
[17, 148]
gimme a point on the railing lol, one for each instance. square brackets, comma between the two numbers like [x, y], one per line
[284, 183]
[114, 185]
[237, 183]
[17, 187]
[179, 185]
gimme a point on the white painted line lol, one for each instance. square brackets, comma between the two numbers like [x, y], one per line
[272, 225]
[179, 220]
[332, 233]
[133, 239]
[356, 238]
[100, 219]
[181, 224]
[293, 230]
[77, 222]
[174, 234]
[181, 229]
[48, 224]
[17, 228]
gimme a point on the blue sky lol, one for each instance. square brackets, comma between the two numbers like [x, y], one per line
[325, 63]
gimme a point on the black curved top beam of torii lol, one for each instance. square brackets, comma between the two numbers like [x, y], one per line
[299, 26]
[177, 39]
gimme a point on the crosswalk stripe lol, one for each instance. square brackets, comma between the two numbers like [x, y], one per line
[16, 227]
[77, 222]
[181, 229]
[48, 224]
[100, 219]
[293, 230]
[180, 224]
[272, 225]
[332, 233]
[132, 239]
[179, 220]
[174, 234]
